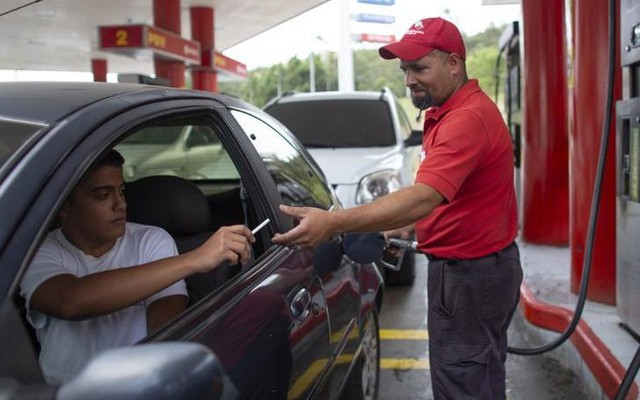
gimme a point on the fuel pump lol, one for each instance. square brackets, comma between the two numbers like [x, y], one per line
[509, 44]
[628, 169]
[628, 181]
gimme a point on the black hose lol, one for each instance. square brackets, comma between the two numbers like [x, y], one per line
[595, 202]
[630, 331]
[19, 7]
[629, 377]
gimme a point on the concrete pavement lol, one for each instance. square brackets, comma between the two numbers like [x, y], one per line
[600, 350]
[404, 352]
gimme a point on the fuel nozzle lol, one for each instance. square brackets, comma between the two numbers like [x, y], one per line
[395, 251]
[407, 244]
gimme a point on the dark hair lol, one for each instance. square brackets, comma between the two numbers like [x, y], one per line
[112, 158]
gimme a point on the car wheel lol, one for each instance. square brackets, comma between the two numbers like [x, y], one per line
[405, 275]
[365, 376]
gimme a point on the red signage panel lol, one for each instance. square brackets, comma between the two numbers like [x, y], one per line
[124, 36]
[139, 37]
[226, 64]
[173, 45]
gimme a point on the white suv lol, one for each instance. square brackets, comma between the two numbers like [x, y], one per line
[363, 141]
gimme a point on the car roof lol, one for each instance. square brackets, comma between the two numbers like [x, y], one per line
[334, 95]
[47, 102]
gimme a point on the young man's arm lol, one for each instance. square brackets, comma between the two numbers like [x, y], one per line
[395, 210]
[69, 297]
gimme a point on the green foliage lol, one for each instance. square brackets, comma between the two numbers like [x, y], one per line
[374, 73]
[482, 65]
[371, 72]
[488, 38]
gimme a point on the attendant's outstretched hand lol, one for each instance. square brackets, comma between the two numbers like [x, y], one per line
[315, 226]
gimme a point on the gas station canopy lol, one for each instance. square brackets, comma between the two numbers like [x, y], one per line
[62, 35]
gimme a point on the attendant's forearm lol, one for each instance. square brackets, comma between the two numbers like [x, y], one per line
[395, 210]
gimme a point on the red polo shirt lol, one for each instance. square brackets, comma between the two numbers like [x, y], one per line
[468, 158]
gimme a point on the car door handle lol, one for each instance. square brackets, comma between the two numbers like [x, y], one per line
[300, 304]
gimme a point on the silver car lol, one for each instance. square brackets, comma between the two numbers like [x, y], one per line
[363, 141]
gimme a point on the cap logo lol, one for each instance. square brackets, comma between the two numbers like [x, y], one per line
[416, 29]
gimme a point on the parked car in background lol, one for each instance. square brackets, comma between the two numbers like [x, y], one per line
[179, 150]
[364, 143]
[292, 323]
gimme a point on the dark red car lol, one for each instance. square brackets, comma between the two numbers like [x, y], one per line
[291, 324]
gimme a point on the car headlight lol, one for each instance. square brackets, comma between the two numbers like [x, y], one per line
[377, 185]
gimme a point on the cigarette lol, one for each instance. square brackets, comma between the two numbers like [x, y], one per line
[262, 225]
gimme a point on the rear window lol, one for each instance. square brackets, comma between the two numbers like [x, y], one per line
[337, 123]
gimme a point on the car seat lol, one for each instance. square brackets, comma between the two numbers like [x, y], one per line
[178, 206]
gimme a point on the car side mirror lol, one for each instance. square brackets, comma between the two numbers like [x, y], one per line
[364, 248]
[170, 370]
[415, 139]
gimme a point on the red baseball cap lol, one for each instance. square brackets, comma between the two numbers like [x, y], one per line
[423, 37]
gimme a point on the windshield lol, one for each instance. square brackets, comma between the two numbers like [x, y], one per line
[14, 134]
[337, 123]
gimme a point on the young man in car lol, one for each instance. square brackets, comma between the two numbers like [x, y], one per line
[464, 208]
[99, 282]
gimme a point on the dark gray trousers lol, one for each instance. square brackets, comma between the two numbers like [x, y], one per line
[471, 303]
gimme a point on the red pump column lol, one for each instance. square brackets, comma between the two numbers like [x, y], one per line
[590, 19]
[166, 15]
[204, 77]
[99, 68]
[545, 198]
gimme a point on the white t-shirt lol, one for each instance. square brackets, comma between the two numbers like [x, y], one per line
[66, 345]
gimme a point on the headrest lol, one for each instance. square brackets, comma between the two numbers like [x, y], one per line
[169, 202]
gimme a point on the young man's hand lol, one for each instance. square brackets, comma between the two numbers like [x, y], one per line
[229, 243]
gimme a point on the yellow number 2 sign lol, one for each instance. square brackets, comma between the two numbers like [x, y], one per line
[122, 37]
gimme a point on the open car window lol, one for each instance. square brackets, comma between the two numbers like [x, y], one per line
[181, 178]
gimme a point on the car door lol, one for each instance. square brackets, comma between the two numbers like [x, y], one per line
[301, 183]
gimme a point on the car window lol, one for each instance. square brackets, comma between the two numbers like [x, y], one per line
[158, 135]
[405, 125]
[297, 181]
[13, 134]
[191, 151]
[337, 123]
[190, 148]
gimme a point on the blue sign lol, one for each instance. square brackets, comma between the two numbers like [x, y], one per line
[380, 19]
[378, 2]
